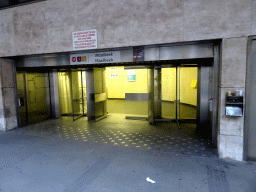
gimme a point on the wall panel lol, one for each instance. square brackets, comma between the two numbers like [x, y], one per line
[47, 26]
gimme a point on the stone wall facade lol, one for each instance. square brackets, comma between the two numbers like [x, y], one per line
[47, 26]
[232, 78]
[8, 111]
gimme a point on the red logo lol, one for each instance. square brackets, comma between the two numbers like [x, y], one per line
[73, 59]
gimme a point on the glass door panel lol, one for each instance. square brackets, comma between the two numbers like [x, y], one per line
[65, 98]
[33, 97]
[84, 92]
[100, 93]
[169, 92]
[136, 93]
[76, 93]
[187, 89]
[151, 94]
[179, 92]
[38, 97]
[178, 96]
[79, 98]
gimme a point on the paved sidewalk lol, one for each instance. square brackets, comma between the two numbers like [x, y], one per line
[36, 163]
[116, 130]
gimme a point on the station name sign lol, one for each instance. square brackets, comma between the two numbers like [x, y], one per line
[105, 57]
[101, 57]
[95, 58]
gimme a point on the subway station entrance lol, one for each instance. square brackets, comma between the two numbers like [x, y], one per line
[148, 107]
[165, 92]
[169, 105]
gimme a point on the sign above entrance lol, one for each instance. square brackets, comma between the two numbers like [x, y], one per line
[78, 59]
[93, 58]
[83, 40]
[105, 57]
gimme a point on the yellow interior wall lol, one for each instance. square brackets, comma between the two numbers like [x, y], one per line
[118, 86]
[65, 97]
[64, 93]
[140, 85]
[186, 76]
[37, 92]
[168, 86]
[188, 94]
[76, 85]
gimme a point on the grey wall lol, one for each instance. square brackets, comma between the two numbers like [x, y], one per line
[8, 111]
[250, 123]
[232, 78]
[47, 26]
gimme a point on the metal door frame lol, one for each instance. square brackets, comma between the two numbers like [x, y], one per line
[80, 70]
[177, 100]
[25, 98]
[139, 98]
[71, 87]
[90, 91]
[24, 76]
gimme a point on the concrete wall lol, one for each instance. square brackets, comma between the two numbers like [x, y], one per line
[47, 26]
[232, 78]
[8, 111]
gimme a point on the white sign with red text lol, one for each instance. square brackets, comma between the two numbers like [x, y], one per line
[83, 40]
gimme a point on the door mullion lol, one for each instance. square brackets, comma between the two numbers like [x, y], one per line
[26, 96]
[72, 92]
[82, 87]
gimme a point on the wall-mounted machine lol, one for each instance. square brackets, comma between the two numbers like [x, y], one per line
[234, 104]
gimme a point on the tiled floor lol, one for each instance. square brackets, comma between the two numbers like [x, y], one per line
[118, 131]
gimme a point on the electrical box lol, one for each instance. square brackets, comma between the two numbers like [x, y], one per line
[234, 106]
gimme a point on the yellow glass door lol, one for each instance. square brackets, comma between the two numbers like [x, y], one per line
[33, 97]
[169, 93]
[65, 98]
[100, 93]
[187, 93]
[179, 92]
[78, 93]
[136, 92]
